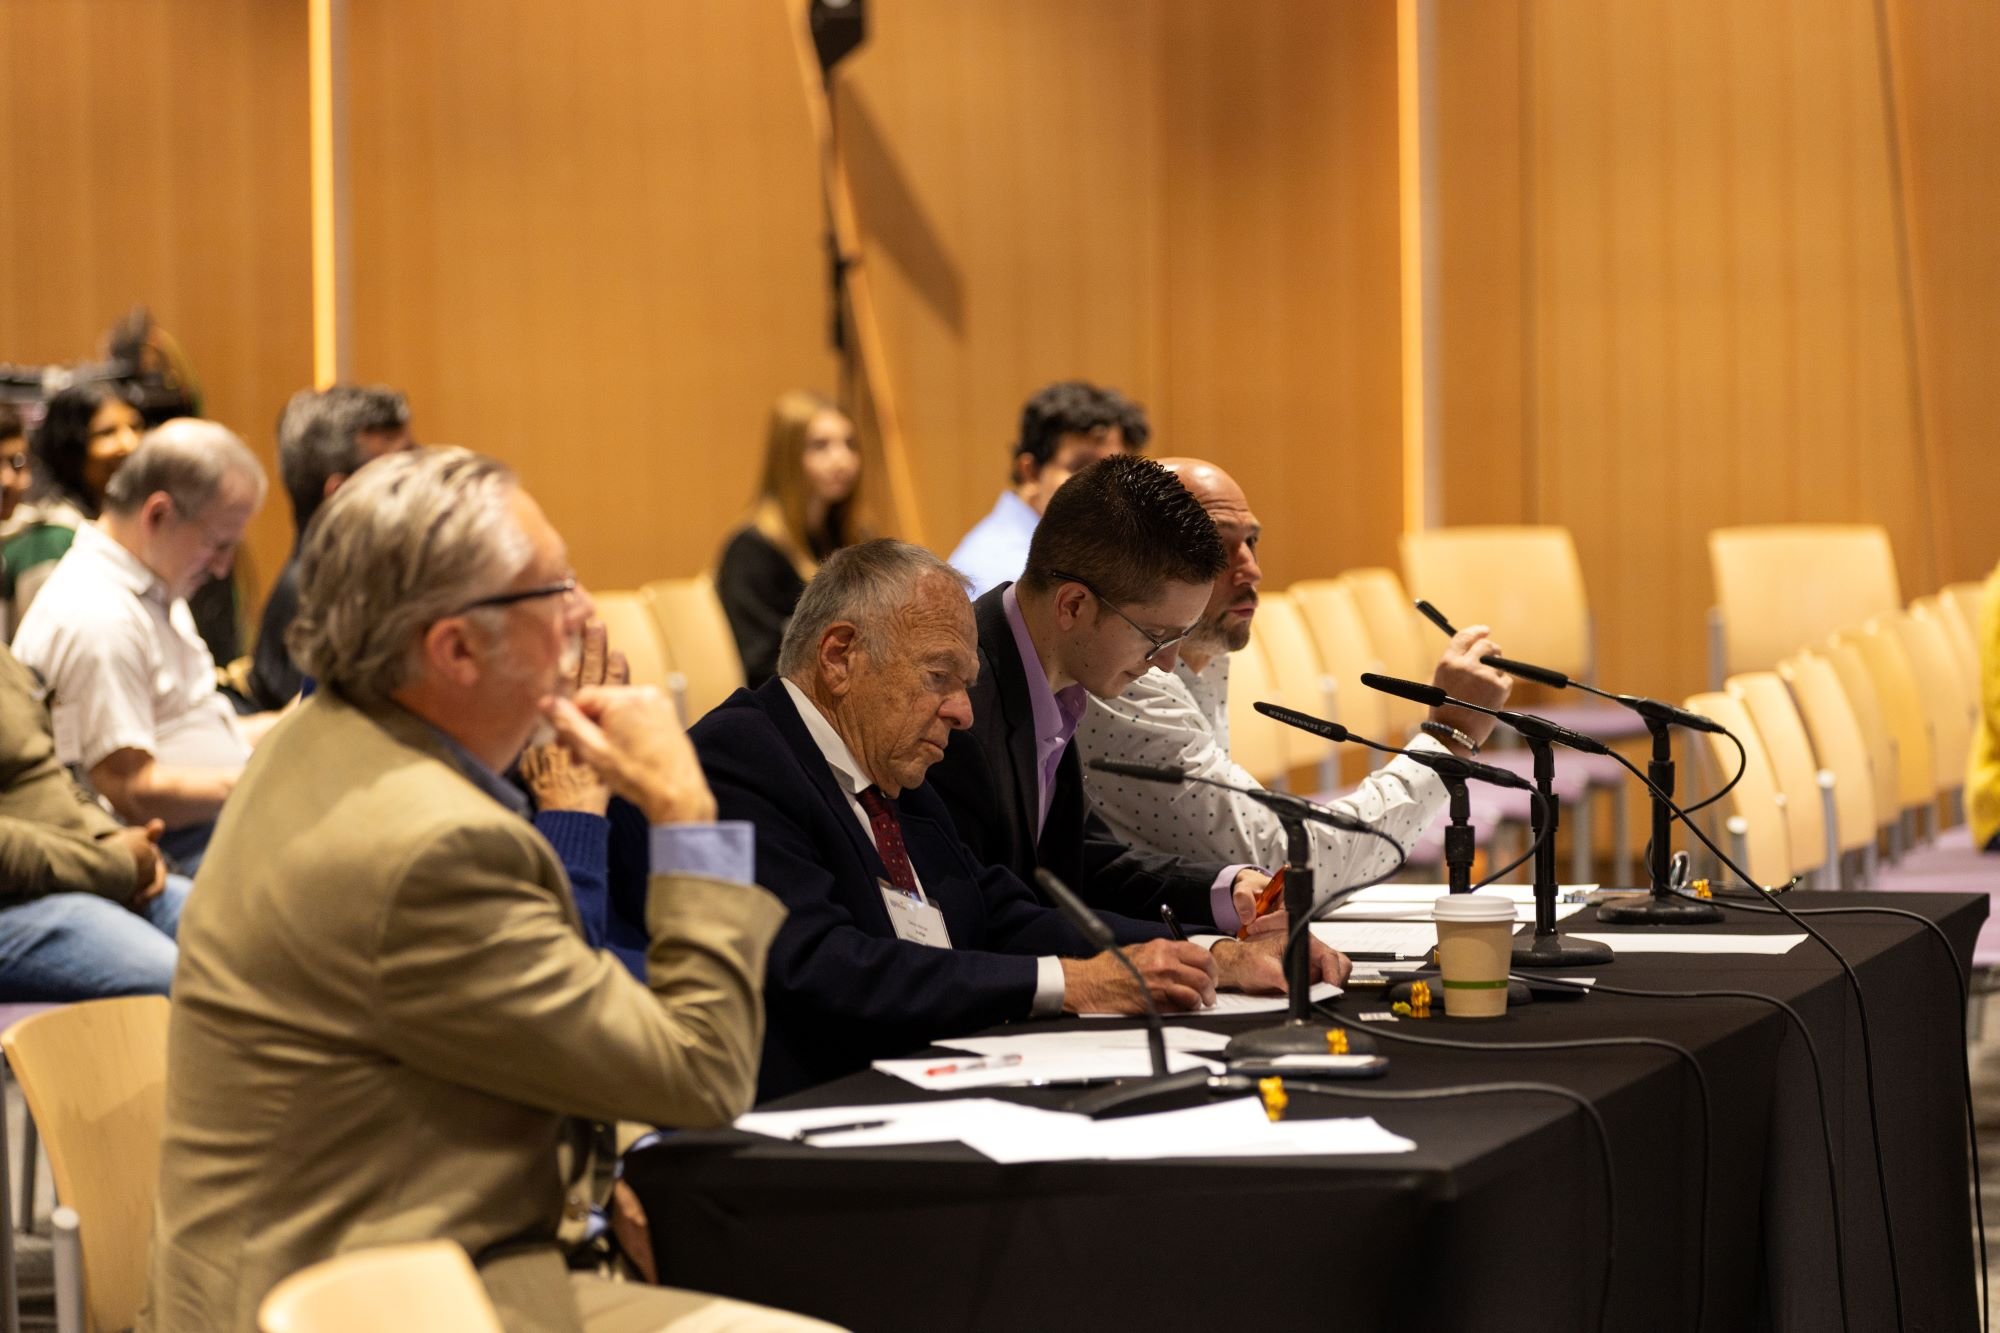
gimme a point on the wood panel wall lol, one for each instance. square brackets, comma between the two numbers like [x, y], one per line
[1675, 296]
[156, 154]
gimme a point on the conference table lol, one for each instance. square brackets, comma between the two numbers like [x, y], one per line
[1498, 1219]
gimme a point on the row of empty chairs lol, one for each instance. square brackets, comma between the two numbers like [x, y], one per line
[1857, 748]
[675, 636]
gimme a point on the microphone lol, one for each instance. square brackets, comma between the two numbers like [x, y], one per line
[1444, 765]
[1126, 1093]
[1283, 802]
[1536, 728]
[1653, 710]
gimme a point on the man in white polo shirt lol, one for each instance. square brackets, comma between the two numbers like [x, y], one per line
[131, 685]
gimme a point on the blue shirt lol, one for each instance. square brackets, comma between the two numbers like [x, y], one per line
[996, 550]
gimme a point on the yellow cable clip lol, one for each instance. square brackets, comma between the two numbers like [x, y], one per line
[1336, 1041]
[1273, 1091]
[1700, 888]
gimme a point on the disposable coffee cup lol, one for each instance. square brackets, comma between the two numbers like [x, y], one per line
[1475, 948]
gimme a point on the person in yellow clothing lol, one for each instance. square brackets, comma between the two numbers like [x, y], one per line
[1982, 778]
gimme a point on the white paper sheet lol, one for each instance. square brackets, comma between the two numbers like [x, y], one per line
[1690, 941]
[1423, 893]
[1236, 1128]
[892, 1122]
[1178, 1038]
[1523, 912]
[1009, 1133]
[1406, 939]
[945, 1073]
[1228, 1003]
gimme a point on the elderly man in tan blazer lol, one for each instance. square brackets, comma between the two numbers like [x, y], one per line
[387, 1024]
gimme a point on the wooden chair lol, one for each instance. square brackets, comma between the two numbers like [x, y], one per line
[429, 1285]
[1302, 683]
[699, 641]
[1256, 743]
[94, 1075]
[1944, 612]
[1755, 829]
[1884, 761]
[630, 628]
[1345, 651]
[1406, 643]
[1840, 749]
[1807, 788]
[1781, 586]
[1966, 597]
[1903, 713]
[1947, 698]
[1526, 582]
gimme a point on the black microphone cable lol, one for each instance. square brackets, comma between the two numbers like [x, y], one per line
[1861, 1011]
[1819, 1091]
[1597, 1043]
[1458, 1090]
[1965, 1066]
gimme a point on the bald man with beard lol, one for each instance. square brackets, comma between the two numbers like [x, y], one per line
[1179, 719]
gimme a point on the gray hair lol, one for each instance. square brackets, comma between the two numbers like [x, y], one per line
[319, 437]
[862, 585]
[411, 539]
[187, 458]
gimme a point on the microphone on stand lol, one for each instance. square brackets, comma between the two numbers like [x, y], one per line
[1301, 1033]
[1123, 1094]
[1444, 765]
[1664, 907]
[1547, 948]
[1530, 726]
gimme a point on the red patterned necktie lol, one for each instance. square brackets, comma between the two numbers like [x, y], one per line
[889, 839]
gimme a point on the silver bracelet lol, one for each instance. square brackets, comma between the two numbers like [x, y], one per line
[1444, 731]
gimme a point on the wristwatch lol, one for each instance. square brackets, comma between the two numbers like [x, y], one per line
[1444, 731]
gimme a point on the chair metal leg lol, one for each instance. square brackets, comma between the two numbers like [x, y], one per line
[69, 1272]
[10, 1279]
[1739, 844]
[1579, 819]
[1830, 819]
[31, 1152]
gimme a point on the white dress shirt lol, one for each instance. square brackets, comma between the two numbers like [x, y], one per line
[847, 775]
[125, 667]
[1181, 720]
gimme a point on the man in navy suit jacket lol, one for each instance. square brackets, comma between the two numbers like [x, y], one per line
[897, 935]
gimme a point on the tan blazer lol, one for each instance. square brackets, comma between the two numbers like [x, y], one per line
[385, 1010]
[53, 837]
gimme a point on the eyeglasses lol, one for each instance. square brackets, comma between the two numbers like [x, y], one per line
[1159, 645]
[563, 589]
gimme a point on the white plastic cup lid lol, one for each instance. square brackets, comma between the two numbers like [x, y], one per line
[1472, 907]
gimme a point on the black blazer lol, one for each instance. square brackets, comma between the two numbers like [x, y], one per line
[988, 781]
[841, 989]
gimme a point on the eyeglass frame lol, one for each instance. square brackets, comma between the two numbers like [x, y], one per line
[216, 548]
[562, 589]
[1158, 645]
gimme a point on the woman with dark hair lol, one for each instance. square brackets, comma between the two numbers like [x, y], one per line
[805, 511]
[86, 434]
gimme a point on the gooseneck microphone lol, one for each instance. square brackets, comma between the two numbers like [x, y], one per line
[1653, 710]
[1098, 935]
[1665, 907]
[1444, 765]
[1547, 947]
[1534, 728]
[1281, 801]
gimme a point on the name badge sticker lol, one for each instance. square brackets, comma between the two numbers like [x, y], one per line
[914, 921]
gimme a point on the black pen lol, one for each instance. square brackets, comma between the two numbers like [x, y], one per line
[1436, 617]
[1173, 922]
[807, 1135]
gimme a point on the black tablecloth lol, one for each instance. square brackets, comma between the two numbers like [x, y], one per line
[1496, 1222]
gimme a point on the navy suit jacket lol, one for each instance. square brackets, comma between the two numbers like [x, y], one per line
[989, 782]
[841, 989]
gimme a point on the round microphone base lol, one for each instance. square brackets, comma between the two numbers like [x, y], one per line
[1555, 951]
[1297, 1037]
[1660, 912]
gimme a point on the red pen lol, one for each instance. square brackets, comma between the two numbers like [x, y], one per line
[1267, 897]
[969, 1066]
